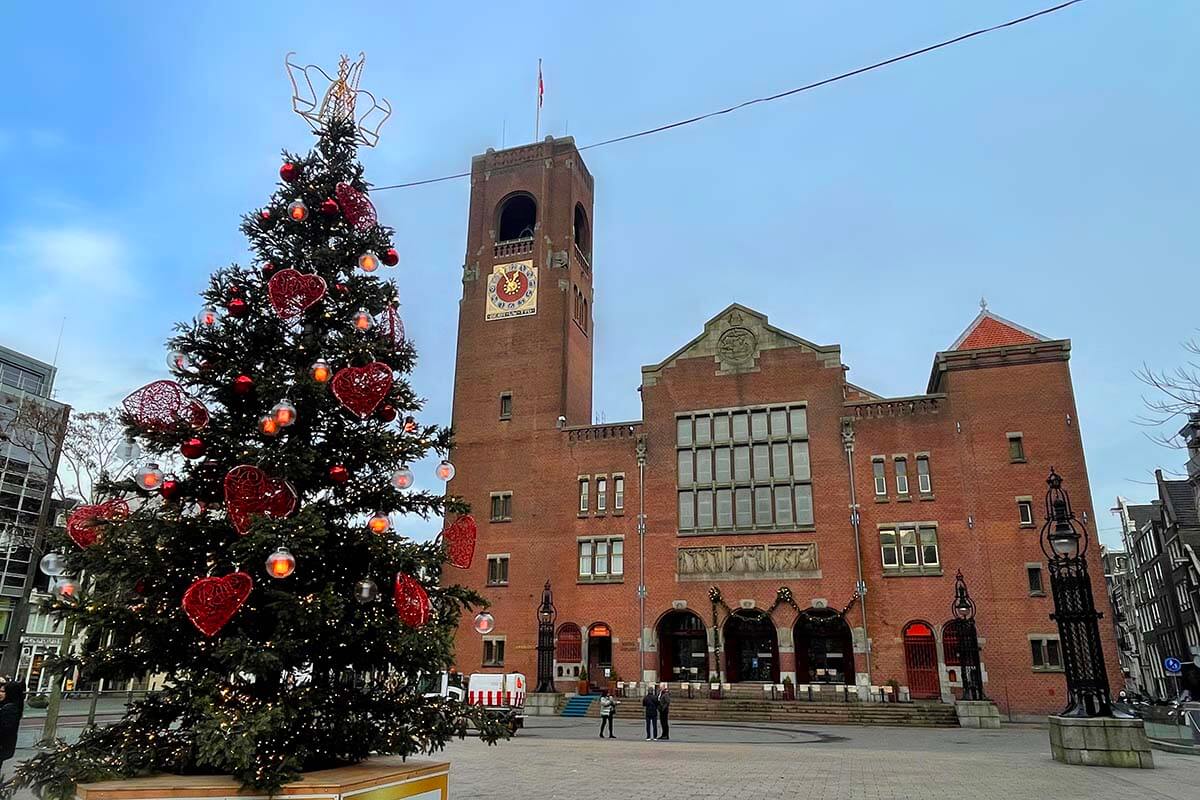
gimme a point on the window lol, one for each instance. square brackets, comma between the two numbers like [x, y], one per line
[501, 506]
[601, 495]
[880, 477]
[517, 218]
[583, 495]
[493, 651]
[1025, 512]
[910, 549]
[601, 559]
[924, 483]
[619, 493]
[497, 574]
[1033, 573]
[901, 476]
[506, 405]
[1046, 654]
[1016, 447]
[753, 464]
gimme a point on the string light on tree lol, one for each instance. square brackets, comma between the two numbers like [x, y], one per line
[284, 413]
[368, 262]
[297, 210]
[362, 320]
[149, 477]
[379, 524]
[320, 371]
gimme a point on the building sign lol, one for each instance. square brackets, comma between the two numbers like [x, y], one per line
[512, 291]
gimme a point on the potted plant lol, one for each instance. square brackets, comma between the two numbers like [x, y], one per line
[612, 681]
[789, 688]
[894, 684]
[583, 681]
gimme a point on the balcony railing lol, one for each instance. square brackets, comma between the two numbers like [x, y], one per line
[587, 265]
[513, 247]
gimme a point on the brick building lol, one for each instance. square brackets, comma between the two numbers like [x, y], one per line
[752, 451]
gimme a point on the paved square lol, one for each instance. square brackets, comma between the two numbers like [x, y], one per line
[557, 758]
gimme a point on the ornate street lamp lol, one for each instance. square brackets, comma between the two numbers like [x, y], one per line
[1065, 542]
[546, 615]
[963, 609]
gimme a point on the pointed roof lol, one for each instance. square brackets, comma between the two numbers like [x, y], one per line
[993, 330]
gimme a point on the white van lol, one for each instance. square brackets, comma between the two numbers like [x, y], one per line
[502, 695]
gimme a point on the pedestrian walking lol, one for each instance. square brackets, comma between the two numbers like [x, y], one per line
[664, 713]
[608, 709]
[650, 706]
[12, 707]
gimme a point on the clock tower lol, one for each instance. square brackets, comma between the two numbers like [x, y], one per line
[524, 327]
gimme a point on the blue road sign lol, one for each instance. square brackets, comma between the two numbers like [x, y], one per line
[1172, 664]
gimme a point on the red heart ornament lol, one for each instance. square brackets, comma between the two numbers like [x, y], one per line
[164, 406]
[85, 525]
[250, 491]
[391, 327]
[292, 293]
[460, 541]
[362, 389]
[412, 603]
[356, 207]
[211, 602]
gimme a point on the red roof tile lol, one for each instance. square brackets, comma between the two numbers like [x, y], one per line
[991, 332]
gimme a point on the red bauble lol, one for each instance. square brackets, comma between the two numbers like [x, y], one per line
[169, 489]
[339, 474]
[341, 287]
[242, 384]
[192, 448]
[460, 541]
[237, 308]
[164, 406]
[291, 293]
[86, 523]
[211, 602]
[268, 269]
[265, 213]
[359, 211]
[387, 412]
[289, 172]
[234, 290]
[362, 389]
[329, 207]
[250, 491]
[412, 602]
[390, 257]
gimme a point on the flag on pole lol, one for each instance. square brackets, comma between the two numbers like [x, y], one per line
[541, 86]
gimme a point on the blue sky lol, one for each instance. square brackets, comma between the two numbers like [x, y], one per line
[1051, 167]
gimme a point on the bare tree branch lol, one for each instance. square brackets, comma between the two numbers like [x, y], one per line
[1176, 394]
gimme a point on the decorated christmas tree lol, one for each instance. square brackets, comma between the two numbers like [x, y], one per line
[265, 582]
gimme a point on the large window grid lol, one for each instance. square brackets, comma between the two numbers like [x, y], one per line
[602, 559]
[744, 469]
[910, 549]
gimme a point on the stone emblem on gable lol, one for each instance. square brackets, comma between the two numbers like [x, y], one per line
[737, 346]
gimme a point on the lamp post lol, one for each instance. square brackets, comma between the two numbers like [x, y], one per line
[1064, 541]
[963, 609]
[546, 614]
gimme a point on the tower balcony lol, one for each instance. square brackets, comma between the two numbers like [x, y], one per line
[513, 247]
[583, 261]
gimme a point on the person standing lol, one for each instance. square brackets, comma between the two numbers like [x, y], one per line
[664, 712]
[12, 707]
[608, 709]
[650, 706]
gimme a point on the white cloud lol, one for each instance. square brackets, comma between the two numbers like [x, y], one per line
[70, 256]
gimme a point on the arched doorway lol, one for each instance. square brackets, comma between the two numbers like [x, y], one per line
[824, 647]
[920, 660]
[751, 649]
[568, 651]
[682, 647]
[599, 653]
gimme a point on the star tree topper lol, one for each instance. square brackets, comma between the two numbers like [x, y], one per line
[339, 99]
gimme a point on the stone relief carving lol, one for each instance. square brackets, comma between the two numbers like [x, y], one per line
[748, 562]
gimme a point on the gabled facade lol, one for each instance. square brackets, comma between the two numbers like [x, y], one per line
[783, 521]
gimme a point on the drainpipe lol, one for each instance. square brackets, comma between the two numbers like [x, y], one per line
[860, 588]
[641, 531]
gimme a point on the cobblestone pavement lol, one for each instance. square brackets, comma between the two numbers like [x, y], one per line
[556, 758]
[560, 758]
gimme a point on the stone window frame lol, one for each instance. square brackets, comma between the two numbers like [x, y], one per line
[922, 567]
[900, 470]
[618, 506]
[585, 488]
[1017, 454]
[591, 576]
[497, 557]
[496, 657]
[925, 492]
[1023, 502]
[1044, 652]
[702, 431]
[500, 515]
[879, 477]
[601, 494]
[1029, 568]
[506, 401]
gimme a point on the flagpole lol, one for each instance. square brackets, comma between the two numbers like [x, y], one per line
[537, 125]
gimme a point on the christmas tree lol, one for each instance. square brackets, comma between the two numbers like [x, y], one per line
[262, 581]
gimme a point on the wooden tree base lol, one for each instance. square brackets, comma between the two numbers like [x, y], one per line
[389, 778]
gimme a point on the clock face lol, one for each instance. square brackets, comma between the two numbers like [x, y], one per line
[512, 290]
